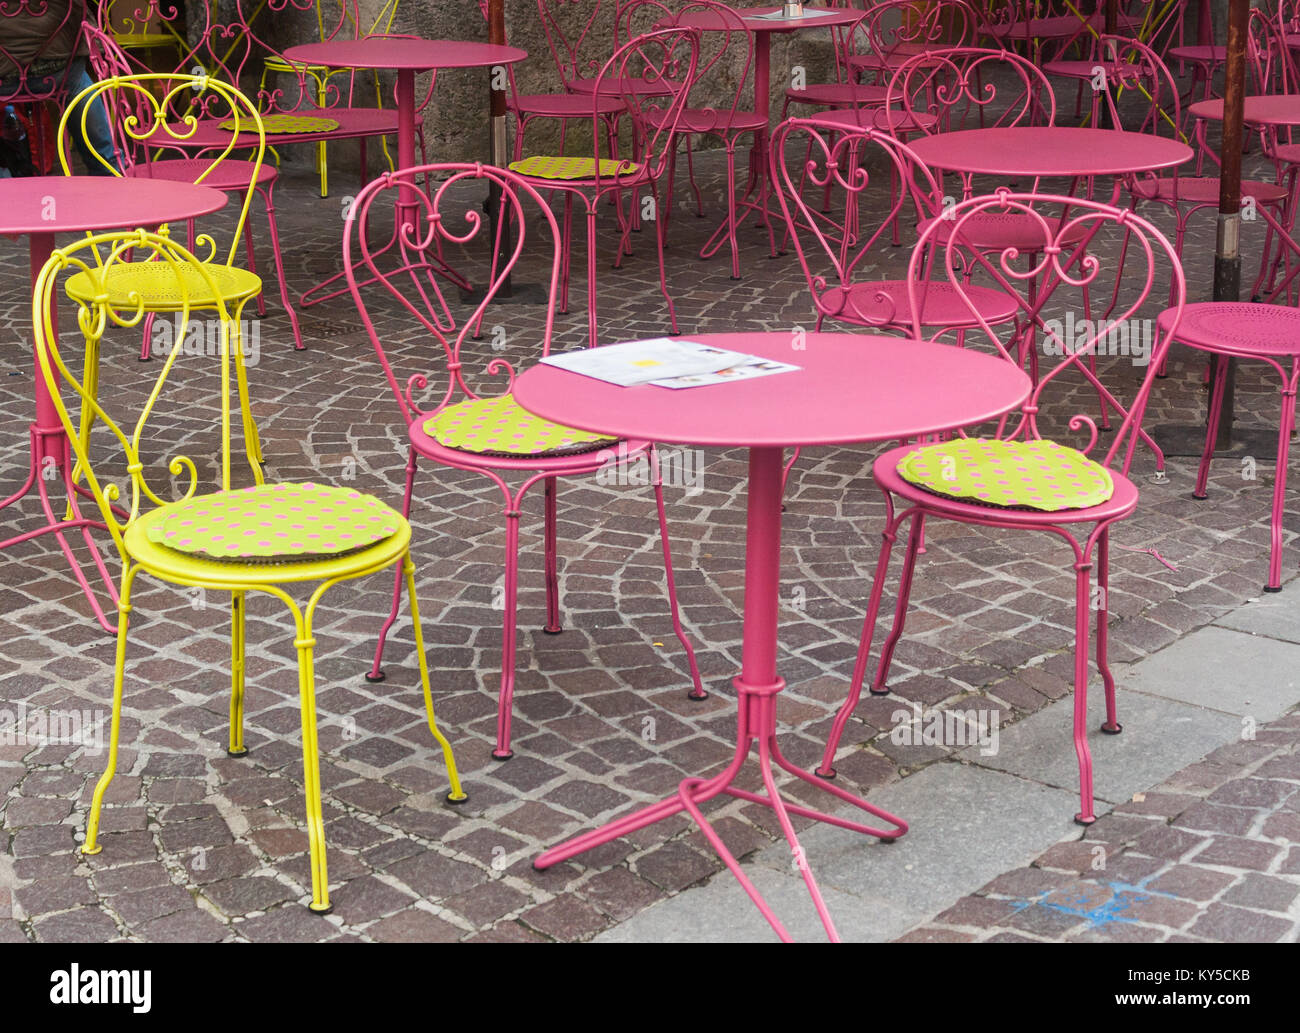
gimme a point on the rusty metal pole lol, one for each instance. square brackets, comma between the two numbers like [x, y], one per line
[497, 141]
[1227, 252]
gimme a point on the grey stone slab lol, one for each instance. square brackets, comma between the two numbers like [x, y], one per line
[1223, 670]
[1273, 615]
[966, 825]
[721, 912]
[1160, 736]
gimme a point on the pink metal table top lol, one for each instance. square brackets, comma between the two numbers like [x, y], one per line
[1277, 109]
[1050, 151]
[414, 55]
[850, 387]
[40, 207]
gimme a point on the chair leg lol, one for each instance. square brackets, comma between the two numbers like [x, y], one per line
[732, 228]
[915, 540]
[663, 270]
[1083, 580]
[827, 769]
[252, 266]
[697, 690]
[591, 273]
[1211, 426]
[304, 644]
[376, 672]
[456, 794]
[91, 844]
[552, 626]
[1279, 487]
[1111, 725]
[236, 747]
[789, 466]
[285, 300]
[506, 695]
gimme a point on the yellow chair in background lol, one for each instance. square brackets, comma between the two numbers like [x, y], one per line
[257, 538]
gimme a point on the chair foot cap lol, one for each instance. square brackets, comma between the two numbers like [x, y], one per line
[879, 692]
[1111, 729]
[1200, 498]
[497, 755]
[241, 752]
[1270, 588]
[455, 800]
[90, 851]
[1085, 821]
[552, 631]
[697, 695]
[826, 775]
[375, 676]
[320, 910]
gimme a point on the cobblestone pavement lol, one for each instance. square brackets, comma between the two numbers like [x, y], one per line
[1213, 854]
[199, 846]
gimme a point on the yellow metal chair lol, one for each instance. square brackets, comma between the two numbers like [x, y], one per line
[252, 539]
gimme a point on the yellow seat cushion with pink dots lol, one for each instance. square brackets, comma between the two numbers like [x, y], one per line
[499, 427]
[287, 124]
[572, 168]
[1033, 474]
[275, 522]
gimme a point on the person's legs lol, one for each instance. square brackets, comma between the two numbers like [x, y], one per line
[95, 141]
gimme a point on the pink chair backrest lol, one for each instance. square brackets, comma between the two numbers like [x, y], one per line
[860, 167]
[451, 218]
[723, 83]
[961, 87]
[38, 42]
[1141, 75]
[1094, 267]
[579, 35]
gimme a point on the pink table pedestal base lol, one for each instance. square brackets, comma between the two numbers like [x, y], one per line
[757, 689]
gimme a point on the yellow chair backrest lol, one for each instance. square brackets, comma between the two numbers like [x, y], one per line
[144, 123]
[97, 256]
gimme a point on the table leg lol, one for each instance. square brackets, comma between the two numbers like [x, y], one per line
[50, 461]
[757, 687]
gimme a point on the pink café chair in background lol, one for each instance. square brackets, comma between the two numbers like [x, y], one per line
[669, 58]
[1018, 477]
[452, 431]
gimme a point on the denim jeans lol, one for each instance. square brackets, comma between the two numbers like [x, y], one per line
[97, 128]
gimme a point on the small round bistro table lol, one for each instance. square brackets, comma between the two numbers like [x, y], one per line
[1066, 151]
[40, 207]
[1277, 109]
[405, 56]
[849, 388]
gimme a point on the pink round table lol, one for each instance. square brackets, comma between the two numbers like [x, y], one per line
[40, 207]
[763, 29]
[1068, 151]
[406, 57]
[850, 388]
[1278, 109]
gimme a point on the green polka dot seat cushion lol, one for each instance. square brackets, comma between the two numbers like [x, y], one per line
[1039, 475]
[275, 522]
[286, 123]
[545, 167]
[499, 427]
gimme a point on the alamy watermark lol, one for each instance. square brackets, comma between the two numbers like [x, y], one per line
[678, 468]
[21, 726]
[923, 726]
[203, 337]
[1127, 337]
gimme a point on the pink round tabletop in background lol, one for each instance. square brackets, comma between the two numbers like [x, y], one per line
[1049, 151]
[410, 54]
[850, 387]
[58, 204]
[1279, 109]
[832, 16]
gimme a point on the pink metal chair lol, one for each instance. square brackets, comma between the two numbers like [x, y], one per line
[725, 77]
[1044, 29]
[142, 150]
[1264, 333]
[1137, 64]
[536, 450]
[564, 107]
[971, 484]
[890, 34]
[668, 58]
